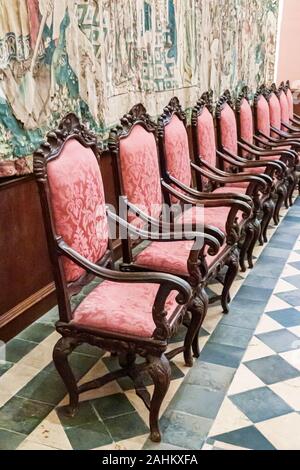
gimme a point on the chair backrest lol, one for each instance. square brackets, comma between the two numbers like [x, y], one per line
[275, 111]
[203, 135]
[73, 202]
[262, 114]
[226, 126]
[284, 105]
[134, 148]
[173, 144]
[244, 115]
[290, 99]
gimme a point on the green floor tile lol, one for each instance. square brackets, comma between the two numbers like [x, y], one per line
[89, 350]
[44, 387]
[4, 367]
[36, 332]
[86, 414]
[79, 363]
[126, 383]
[89, 436]
[112, 406]
[16, 349]
[50, 318]
[23, 416]
[126, 426]
[10, 440]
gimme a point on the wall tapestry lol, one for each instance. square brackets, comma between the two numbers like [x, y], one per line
[99, 57]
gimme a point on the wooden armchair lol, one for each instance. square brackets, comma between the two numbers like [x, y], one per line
[250, 147]
[136, 162]
[232, 157]
[128, 314]
[268, 135]
[294, 118]
[285, 97]
[210, 178]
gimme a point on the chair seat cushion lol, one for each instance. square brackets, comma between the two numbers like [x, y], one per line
[215, 216]
[172, 257]
[233, 189]
[169, 257]
[124, 308]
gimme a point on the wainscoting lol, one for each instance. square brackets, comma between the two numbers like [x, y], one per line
[27, 288]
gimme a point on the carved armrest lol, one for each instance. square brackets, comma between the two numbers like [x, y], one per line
[268, 140]
[291, 128]
[167, 283]
[234, 204]
[285, 135]
[262, 153]
[295, 120]
[243, 163]
[164, 227]
[200, 238]
[229, 178]
[201, 195]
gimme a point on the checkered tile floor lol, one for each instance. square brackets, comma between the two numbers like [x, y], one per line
[243, 392]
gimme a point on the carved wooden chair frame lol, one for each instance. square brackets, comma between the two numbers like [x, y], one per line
[139, 116]
[272, 200]
[289, 156]
[217, 178]
[184, 194]
[296, 118]
[126, 347]
[261, 152]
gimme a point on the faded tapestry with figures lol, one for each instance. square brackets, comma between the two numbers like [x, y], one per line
[99, 57]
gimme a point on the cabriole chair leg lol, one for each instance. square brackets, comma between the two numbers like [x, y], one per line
[268, 209]
[281, 197]
[62, 350]
[198, 310]
[249, 234]
[256, 235]
[233, 267]
[160, 372]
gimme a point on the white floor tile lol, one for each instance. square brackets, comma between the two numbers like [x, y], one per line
[289, 391]
[282, 432]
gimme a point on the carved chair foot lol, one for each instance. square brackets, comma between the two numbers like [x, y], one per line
[195, 345]
[233, 267]
[70, 410]
[268, 211]
[281, 197]
[294, 185]
[255, 238]
[249, 234]
[160, 372]
[62, 350]
[198, 309]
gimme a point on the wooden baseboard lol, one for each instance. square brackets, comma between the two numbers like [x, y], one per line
[27, 304]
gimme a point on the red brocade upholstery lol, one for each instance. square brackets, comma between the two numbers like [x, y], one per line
[206, 138]
[242, 189]
[284, 105]
[140, 172]
[177, 151]
[246, 122]
[122, 308]
[275, 113]
[172, 257]
[229, 129]
[168, 257]
[263, 116]
[291, 103]
[77, 200]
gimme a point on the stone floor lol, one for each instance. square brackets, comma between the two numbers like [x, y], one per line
[243, 392]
